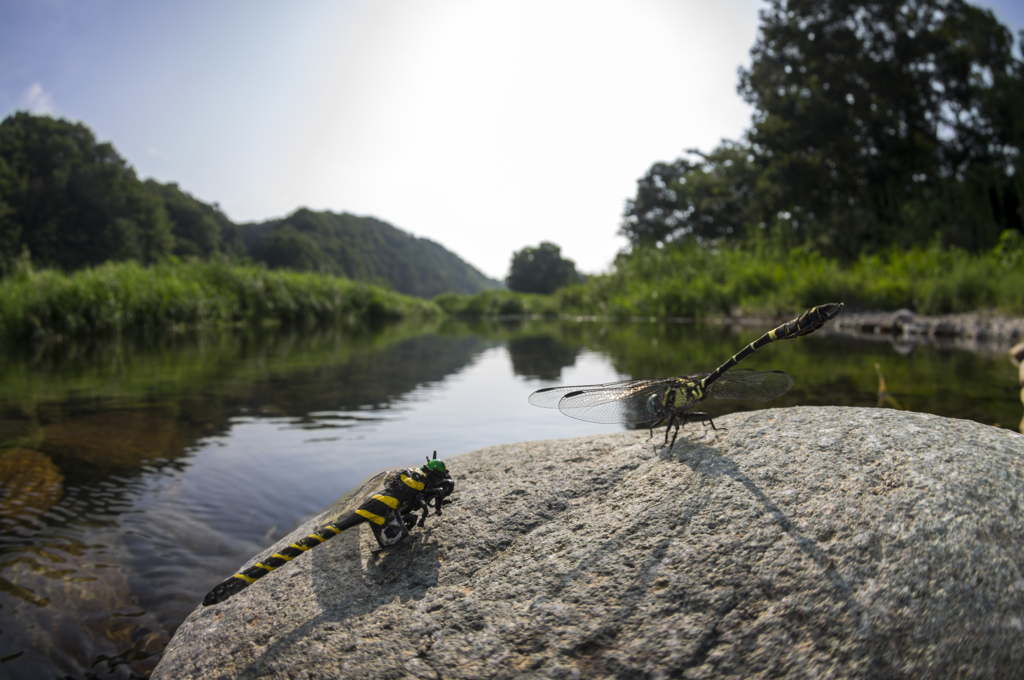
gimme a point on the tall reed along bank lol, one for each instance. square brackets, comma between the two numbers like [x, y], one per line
[128, 297]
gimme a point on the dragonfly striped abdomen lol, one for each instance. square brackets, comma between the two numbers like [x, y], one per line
[388, 501]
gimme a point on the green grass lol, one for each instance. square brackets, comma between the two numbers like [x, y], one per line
[127, 297]
[693, 281]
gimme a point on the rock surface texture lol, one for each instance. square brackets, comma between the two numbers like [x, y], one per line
[807, 542]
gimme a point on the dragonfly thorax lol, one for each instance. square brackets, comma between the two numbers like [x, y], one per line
[680, 395]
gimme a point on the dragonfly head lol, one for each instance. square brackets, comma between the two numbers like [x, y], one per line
[439, 481]
[435, 465]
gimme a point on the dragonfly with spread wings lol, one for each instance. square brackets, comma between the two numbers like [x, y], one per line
[655, 400]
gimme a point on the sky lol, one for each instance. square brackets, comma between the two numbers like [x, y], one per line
[484, 125]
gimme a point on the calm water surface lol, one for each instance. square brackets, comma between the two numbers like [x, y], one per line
[135, 476]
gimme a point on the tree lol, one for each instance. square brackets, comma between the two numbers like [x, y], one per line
[10, 225]
[706, 199]
[200, 229]
[875, 124]
[879, 122]
[73, 201]
[541, 270]
[289, 248]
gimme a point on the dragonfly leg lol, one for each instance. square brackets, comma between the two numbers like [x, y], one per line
[410, 520]
[437, 497]
[431, 497]
[683, 418]
[674, 419]
[425, 504]
[704, 419]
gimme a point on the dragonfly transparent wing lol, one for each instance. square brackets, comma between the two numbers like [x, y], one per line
[354, 498]
[750, 385]
[628, 401]
[550, 396]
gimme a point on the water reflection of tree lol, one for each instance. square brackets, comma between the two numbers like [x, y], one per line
[103, 408]
[372, 379]
[541, 356]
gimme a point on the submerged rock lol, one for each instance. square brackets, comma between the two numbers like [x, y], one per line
[117, 438]
[74, 611]
[30, 484]
[828, 541]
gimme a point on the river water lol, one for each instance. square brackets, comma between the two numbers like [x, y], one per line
[136, 475]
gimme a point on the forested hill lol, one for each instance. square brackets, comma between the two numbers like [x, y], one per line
[73, 202]
[364, 249]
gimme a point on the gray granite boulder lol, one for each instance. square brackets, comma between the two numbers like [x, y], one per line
[810, 542]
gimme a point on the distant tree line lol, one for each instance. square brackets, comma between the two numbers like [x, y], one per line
[876, 124]
[69, 202]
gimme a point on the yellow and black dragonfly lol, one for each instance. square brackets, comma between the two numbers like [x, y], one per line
[655, 400]
[387, 500]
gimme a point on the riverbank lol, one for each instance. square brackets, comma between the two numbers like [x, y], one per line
[976, 299]
[976, 328]
[989, 329]
[972, 331]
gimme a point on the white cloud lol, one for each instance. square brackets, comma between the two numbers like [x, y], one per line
[37, 100]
